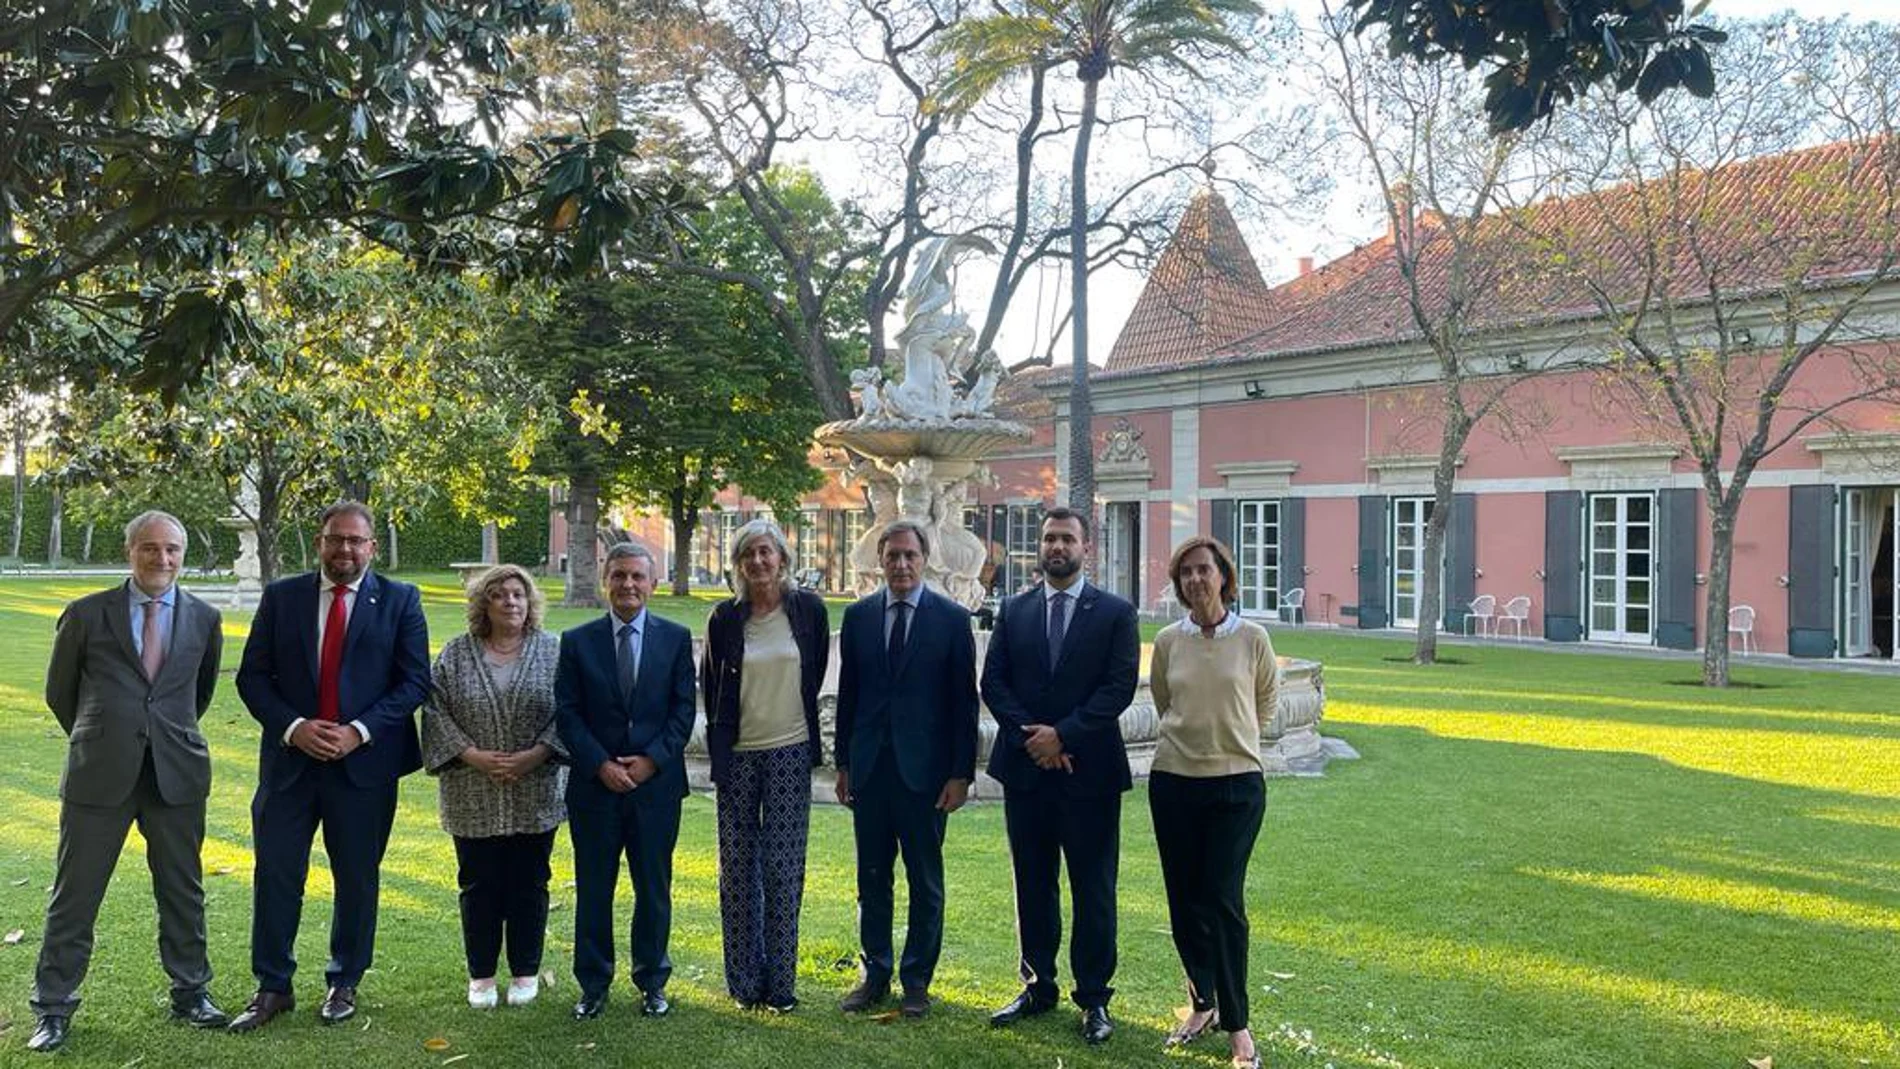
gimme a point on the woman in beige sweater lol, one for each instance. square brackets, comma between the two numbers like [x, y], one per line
[1215, 682]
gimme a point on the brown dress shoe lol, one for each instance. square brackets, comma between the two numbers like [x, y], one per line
[339, 1005]
[915, 1003]
[264, 1006]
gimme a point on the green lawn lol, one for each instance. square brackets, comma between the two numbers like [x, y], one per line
[1543, 861]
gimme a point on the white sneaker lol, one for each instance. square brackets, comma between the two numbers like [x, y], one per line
[523, 990]
[482, 994]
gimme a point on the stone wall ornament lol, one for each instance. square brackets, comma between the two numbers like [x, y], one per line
[1123, 445]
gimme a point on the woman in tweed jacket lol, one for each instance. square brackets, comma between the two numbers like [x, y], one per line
[488, 734]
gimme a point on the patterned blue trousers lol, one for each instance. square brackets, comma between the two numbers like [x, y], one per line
[764, 817]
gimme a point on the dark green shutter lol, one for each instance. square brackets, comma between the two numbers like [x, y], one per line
[1563, 560]
[1292, 543]
[1811, 577]
[1373, 563]
[1225, 523]
[1677, 521]
[1461, 559]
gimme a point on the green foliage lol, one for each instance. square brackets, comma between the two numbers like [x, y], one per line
[436, 535]
[157, 136]
[1548, 54]
[109, 508]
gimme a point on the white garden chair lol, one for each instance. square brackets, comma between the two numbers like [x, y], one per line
[1484, 609]
[1741, 621]
[1517, 612]
[1293, 606]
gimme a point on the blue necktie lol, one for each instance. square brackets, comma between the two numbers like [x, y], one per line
[899, 633]
[624, 662]
[1058, 625]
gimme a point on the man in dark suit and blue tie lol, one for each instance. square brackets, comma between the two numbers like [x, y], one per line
[623, 703]
[334, 669]
[1061, 667]
[906, 753]
[132, 672]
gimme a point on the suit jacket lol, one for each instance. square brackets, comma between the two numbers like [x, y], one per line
[385, 676]
[923, 708]
[1083, 696]
[596, 725]
[98, 692]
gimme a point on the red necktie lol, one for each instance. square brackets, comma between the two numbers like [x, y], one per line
[330, 660]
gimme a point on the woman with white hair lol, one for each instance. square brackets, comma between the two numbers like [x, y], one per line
[766, 651]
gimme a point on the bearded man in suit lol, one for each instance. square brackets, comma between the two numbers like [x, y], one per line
[133, 670]
[336, 664]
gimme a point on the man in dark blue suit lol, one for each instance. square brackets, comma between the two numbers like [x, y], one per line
[1060, 669]
[335, 666]
[623, 703]
[906, 752]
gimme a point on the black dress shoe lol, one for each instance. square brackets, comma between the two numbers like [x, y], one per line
[1097, 1025]
[1026, 1004]
[196, 1009]
[339, 1005]
[264, 1006]
[866, 995]
[50, 1035]
[654, 1004]
[915, 1003]
[590, 1006]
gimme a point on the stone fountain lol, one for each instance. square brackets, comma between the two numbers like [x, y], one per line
[920, 439]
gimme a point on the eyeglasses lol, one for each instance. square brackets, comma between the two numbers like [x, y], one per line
[349, 542]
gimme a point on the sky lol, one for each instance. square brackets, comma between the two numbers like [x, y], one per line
[1346, 221]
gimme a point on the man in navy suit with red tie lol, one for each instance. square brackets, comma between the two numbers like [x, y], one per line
[335, 667]
[1061, 667]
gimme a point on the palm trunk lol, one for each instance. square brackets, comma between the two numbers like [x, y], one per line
[1081, 408]
[491, 543]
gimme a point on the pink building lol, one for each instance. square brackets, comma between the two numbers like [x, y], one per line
[1299, 424]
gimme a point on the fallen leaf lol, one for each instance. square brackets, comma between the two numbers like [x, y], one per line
[435, 1044]
[133, 1062]
[452, 1061]
[1281, 975]
[584, 1046]
[556, 906]
[13, 937]
[223, 870]
[1766, 1061]
[21, 882]
[886, 1017]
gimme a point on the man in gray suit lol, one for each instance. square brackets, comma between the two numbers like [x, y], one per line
[133, 669]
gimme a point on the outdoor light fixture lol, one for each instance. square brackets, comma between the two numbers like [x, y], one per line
[1255, 388]
[1742, 336]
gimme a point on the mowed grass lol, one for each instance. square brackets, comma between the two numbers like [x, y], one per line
[1544, 860]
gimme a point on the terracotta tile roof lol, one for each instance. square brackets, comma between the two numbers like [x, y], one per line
[1205, 291]
[1831, 210]
[1022, 395]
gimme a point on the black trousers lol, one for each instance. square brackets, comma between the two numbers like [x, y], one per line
[1047, 829]
[889, 817]
[1205, 830]
[644, 828]
[504, 882]
[356, 822]
[90, 838]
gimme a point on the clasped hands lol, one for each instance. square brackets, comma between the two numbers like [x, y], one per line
[622, 774]
[1044, 747]
[503, 766]
[325, 740]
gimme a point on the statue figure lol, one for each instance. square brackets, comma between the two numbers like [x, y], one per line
[935, 338]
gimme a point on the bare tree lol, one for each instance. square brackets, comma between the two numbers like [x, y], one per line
[1417, 132]
[1738, 253]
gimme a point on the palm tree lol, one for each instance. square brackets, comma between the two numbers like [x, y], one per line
[1097, 36]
